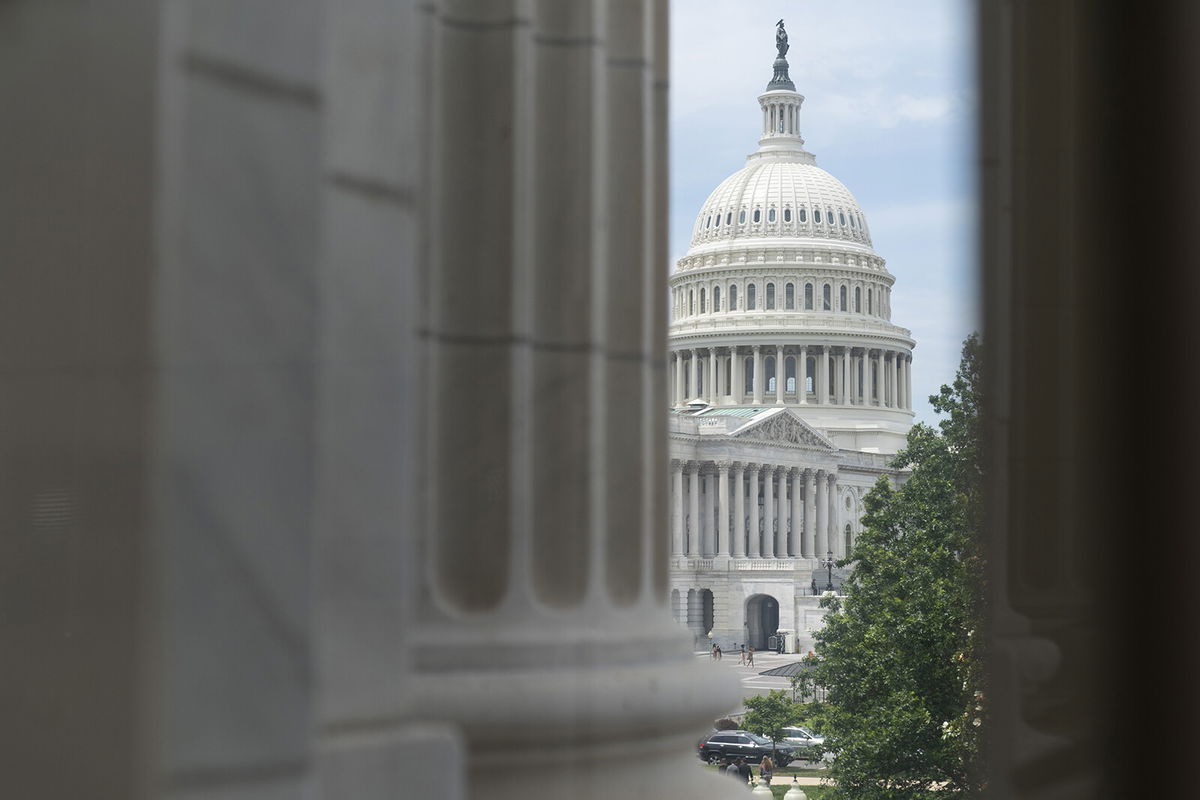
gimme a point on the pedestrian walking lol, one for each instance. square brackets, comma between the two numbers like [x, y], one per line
[750, 657]
[766, 768]
[742, 657]
[743, 769]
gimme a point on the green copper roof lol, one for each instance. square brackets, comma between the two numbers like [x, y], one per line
[731, 412]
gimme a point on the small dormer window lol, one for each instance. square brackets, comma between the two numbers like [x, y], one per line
[787, 215]
[757, 215]
[771, 215]
[803, 215]
[742, 217]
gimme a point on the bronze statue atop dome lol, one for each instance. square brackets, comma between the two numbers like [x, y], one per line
[781, 39]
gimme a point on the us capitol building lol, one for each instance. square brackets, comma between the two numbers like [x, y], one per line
[791, 389]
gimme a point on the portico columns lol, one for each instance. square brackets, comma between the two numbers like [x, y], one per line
[693, 526]
[710, 382]
[834, 537]
[793, 542]
[676, 508]
[823, 393]
[779, 373]
[752, 472]
[802, 376]
[737, 378]
[694, 363]
[821, 544]
[708, 546]
[758, 375]
[781, 534]
[768, 534]
[739, 512]
[895, 380]
[722, 508]
[807, 546]
[868, 378]
[679, 378]
[846, 376]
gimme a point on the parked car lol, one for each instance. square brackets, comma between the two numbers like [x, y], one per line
[750, 746]
[805, 743]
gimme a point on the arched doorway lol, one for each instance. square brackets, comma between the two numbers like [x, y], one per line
[762, 620]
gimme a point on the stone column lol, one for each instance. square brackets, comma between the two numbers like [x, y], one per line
[752, 471]
[807, 544]
[846, 375]
[708, 543]
[834, 535]
[711, 389]
[793, 546]
[768, 535]
[679, 379]
[908, 382]
[868, 378]
[737, 377]
[694, 365]
[676, 507]
[722, 508]
[780, 372]
[758, 375]
[802, 375]
[693, 521]
[781, 534]
[823, 395]
[738, 547]
[821, 545]
[895, 380]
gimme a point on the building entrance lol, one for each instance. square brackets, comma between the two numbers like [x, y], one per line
[762, 620]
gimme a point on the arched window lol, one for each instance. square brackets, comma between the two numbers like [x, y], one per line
[842, 218]
[808, 297]
[789, 296]
[770, 306]
[702, 306]
[816, 215]
[769, 372]
[742, 217]
[728, 217]
[733, 297]
[748, 372]
[787, 215]
[852, 221]
[857, 299]
[789, 365]
[717, 297]
[849, 539]
[842, 299]
[826, 298]
[771, 215]
[757, 215]
[718, 219]
[708, 222]
[691, 301]
[829, 215]
[751, 291]
[803, 215]
[810, 370]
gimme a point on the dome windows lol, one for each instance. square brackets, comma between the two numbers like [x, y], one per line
[787, 215]
[728, 217]
[842, 299]
[708, 222]
[851, 220]
[757, 215]
[742, 217]
[817, 215]
[789, 297]
[771, 215]
[803, 213]
[829, 215]
[808, 297]
[826, 297]
[702, 300]
[857, 297]
[751, 299]
[842, 218]
[718, 219]
[717, 297]
[770, 304]
[733, 297]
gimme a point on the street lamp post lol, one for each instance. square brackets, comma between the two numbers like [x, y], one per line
[828, 564]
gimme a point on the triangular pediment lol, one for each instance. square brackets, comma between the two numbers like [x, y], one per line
[783, 426]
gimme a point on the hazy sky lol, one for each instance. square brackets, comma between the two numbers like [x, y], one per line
[889, 110]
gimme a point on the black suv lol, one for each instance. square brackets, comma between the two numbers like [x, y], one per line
[750, 746]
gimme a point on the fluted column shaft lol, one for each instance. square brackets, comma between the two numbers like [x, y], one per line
[781, 534]
[846, 375]
[710, 383]
[694, 364]
[768, 535]
[758, 375]
[738, 547]
[752, 473]
[793, 545]
[722, 509]
[823, 394]
[779, 375]
[693, 526]
[802, 376]
[679, 377]
[737, 378]
[895, 380]
[807, 545]
[822, 542]
[676, 508]
[708, 545]
[835, 538]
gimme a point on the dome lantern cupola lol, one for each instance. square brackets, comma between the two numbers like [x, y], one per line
[781, 109]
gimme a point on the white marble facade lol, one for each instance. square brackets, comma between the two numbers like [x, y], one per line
[790, 387]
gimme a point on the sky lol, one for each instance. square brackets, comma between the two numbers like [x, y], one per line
[889, 110]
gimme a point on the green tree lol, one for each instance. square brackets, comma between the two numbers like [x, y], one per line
[768, 715]
[900, 653]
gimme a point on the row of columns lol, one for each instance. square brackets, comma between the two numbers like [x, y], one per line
[765, 499]
[861, 375]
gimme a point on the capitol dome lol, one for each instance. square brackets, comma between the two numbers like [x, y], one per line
[778, 196]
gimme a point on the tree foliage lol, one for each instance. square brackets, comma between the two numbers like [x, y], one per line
[767, 715]
[900, 652]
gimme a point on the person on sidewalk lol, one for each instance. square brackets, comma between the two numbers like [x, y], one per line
[750, 657]
[766, 768]
[743, 770]
[742, 657]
